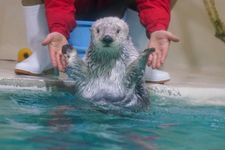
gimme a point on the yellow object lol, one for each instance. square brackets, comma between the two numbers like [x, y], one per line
[23, 54]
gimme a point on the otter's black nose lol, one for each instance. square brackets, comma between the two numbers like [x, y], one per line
[66, 47]
[107, 39]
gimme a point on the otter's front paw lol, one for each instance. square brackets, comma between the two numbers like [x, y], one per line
[66, 50]
[69, 52]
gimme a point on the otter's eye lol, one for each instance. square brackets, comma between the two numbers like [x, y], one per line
[97, 30]
[118, 31]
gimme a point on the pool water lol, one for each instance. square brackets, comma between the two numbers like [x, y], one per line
[31, 120]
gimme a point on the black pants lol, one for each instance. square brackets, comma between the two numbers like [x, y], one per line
[117, 8]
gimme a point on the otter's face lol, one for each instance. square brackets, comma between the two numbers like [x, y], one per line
[109, 33]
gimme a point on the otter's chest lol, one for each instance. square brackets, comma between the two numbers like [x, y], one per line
[109, 85]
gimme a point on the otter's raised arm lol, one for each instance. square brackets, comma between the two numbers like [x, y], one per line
[76, 68]
[135, 71]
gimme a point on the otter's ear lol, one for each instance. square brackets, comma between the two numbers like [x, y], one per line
[128, 37]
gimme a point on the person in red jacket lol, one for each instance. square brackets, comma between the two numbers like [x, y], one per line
[61, 15]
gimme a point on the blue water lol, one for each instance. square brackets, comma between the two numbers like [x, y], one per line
[32, 120]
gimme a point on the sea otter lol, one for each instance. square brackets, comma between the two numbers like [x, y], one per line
[112, 71]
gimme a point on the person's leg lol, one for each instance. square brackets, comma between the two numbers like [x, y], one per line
[37, 29]
[138, 35]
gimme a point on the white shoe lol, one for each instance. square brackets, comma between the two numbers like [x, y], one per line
[156, 76]
[37, 30]
[35, 64]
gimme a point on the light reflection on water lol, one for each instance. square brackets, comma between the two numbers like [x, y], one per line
[57, 120]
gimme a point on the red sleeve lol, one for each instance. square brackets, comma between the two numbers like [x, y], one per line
[60, 16]
[154, 14]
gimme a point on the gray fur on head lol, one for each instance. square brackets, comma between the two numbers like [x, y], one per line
[112, 73]
[121, 45]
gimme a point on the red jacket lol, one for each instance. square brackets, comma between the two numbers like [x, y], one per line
[154, 14]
